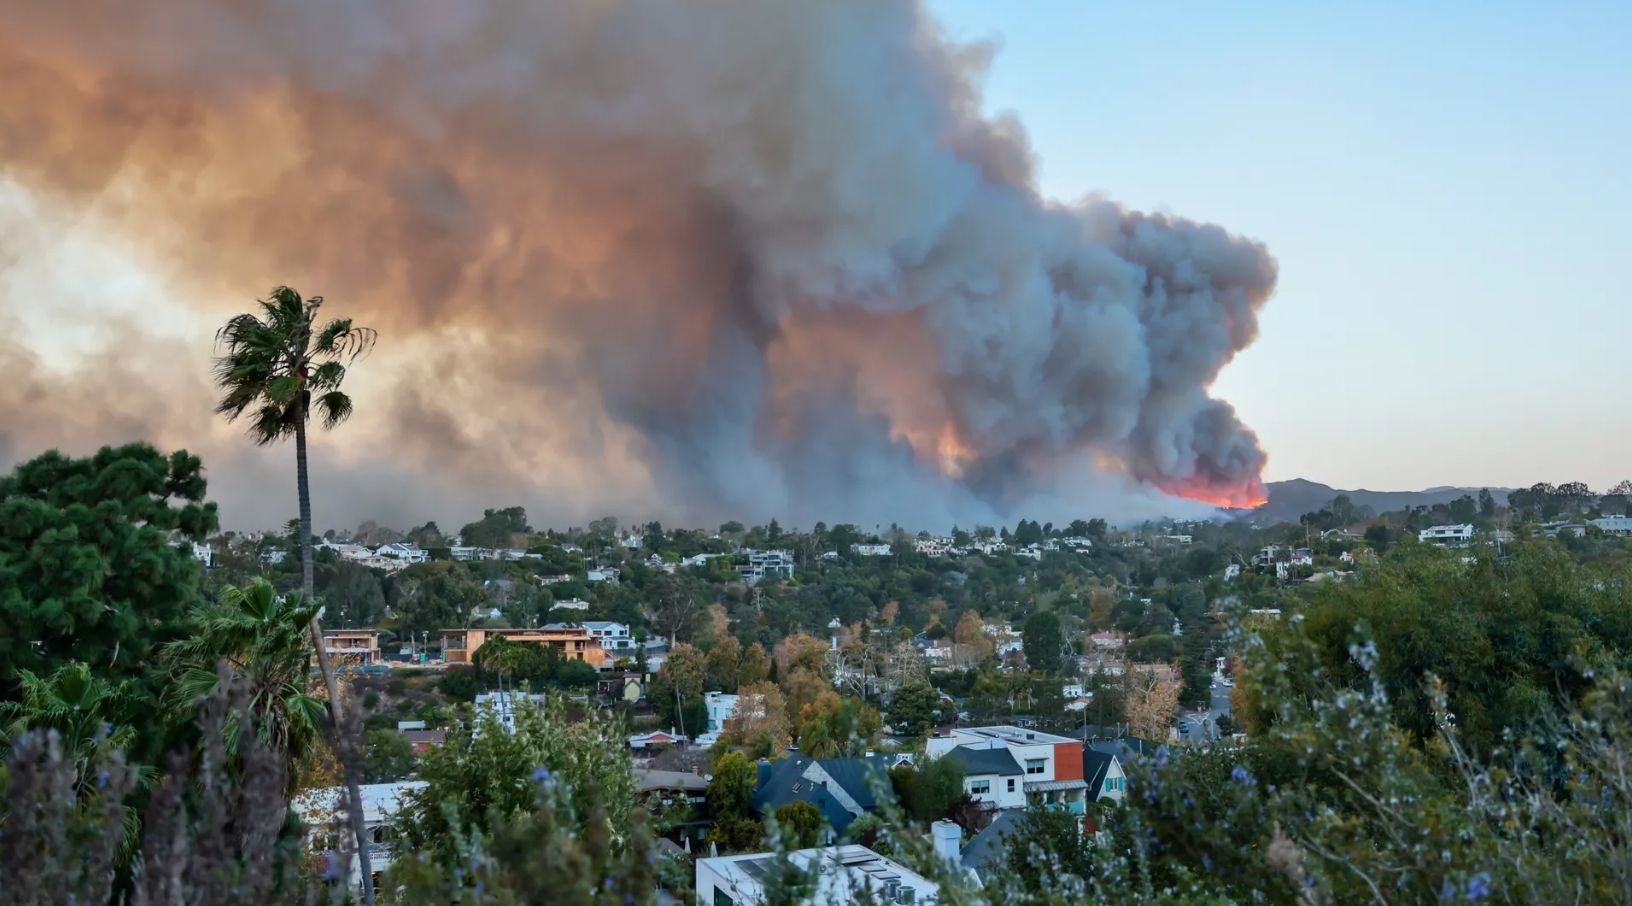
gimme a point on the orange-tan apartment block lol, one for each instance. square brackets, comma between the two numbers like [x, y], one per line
[574, 642]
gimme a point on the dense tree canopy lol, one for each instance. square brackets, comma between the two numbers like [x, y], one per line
[90, 565]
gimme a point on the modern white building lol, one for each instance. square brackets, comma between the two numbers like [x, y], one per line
[721, 707]
[767, 565]
[503, 706]
[1447, 535]
[1051, 766]
[843, 875]
[615, 637]
[871, 550]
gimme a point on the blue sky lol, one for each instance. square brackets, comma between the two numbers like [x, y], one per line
[1447, 187]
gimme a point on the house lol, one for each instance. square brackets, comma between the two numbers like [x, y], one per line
[503, 707]
[401, 550]
[633, 542]
[722, 706]
[985, 856]
[842, 789]
[570, 604]
[1231, 570]
[871, 550]
[360, 646]
[1053, 765]
[318, 810]
[1108, 640]
[615, 637]
[1103, 773]
[1615, 525]
[991, 776]
[657, 739]
[670, 787]
[844, 875]
[697, 559]
[274, 556]
[574, 642]
[424, 740]
[1303, 556]
[1447, 535]
[767, 565]
[602, 574]
[933, 547]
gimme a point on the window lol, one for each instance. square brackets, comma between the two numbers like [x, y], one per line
[721, 898]
[1036, 765]
[1110, 784]
[1011, 784]
[980, 787]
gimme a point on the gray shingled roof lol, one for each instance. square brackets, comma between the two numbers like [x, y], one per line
[985, 852]
[977, 762]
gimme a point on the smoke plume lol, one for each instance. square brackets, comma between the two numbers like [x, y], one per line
[722, 258]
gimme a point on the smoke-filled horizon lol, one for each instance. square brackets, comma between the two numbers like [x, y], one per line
[731, 259]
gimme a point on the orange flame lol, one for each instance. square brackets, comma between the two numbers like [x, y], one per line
[1247, 496]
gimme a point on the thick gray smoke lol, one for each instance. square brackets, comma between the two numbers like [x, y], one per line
[744, 258]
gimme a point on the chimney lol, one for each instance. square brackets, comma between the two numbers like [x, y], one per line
[946, 837]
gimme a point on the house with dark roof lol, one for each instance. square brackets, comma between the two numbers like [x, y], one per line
[1103, 773]
[842, 789]
[991, 776]
[986, 853]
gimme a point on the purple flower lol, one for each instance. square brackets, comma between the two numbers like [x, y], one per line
[1161, 757]
[1479, 886]
[331, 865]
[1240, 775]
[544, 778]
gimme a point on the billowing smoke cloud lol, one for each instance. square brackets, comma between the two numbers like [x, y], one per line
[731, 257]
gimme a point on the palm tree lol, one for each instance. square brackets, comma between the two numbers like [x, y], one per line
[262, 637]
[279, 367]
[85, 710]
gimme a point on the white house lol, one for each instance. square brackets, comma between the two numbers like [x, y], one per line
[273, 556]
[991, 776]
[657, 739]
[615, 637]
[400, 550]
[776, 564]
[633, 542]
[503, 706]
[603, 574]
[318, 810]
[1447, 535]
[571, 604]
[843, 875]
[721, 707]
[933, 547]
[871, 550]
[1052, 765]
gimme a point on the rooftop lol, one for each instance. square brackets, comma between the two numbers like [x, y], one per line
[1013, 735]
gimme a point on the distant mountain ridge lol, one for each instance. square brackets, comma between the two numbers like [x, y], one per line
[1290, 499]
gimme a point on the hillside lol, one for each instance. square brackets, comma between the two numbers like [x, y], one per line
[1290, 499]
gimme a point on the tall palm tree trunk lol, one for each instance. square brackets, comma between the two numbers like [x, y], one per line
[343, 747]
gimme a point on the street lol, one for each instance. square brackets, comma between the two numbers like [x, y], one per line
[1198, 726]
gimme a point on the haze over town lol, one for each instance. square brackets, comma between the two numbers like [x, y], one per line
[748, 452]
